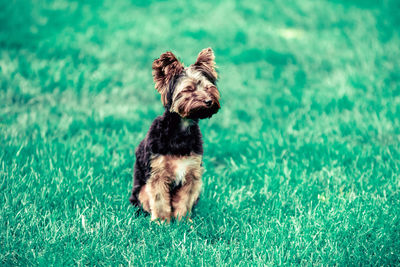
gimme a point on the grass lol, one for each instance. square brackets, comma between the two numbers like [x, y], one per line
[302, 161]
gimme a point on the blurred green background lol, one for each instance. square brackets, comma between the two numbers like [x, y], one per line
[302, 161]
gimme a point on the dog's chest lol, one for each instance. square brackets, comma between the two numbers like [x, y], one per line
[177, 168]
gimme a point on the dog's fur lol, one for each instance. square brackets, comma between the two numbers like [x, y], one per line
[168, 167]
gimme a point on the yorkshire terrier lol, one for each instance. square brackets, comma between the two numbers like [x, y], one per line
[168, 168]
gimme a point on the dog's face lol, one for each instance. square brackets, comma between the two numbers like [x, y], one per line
[191, 92]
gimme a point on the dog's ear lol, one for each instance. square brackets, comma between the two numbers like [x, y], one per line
[164, 70]
[205, 62]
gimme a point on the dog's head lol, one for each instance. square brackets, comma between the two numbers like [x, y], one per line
[191, 92]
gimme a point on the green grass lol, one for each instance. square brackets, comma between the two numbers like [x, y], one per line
[302, 161]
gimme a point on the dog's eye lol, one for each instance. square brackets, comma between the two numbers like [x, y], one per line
[198, 82]
[189, 89]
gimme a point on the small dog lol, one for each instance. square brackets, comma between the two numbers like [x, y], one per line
[168, 167]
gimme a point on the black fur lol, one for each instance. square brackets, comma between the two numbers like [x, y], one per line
[164, 137]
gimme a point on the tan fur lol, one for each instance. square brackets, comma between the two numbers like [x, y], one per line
[165, 171]
[144, 198]
[183, 200]
[159, 198]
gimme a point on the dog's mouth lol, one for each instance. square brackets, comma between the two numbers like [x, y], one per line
[197, 109]
[203, 112]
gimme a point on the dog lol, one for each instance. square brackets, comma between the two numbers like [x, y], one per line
[168, 170]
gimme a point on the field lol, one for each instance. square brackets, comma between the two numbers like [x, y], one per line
[302, 161]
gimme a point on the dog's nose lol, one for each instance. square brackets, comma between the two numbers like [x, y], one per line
[208, 102]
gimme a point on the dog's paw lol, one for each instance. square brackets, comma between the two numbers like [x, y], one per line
[180, 213]
[161, 217]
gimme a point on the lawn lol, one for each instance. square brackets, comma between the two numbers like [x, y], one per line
[302, 161]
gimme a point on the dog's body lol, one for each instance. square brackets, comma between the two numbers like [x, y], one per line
[168, 168]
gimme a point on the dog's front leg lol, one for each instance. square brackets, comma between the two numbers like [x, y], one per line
[159, 197]
[185, 197]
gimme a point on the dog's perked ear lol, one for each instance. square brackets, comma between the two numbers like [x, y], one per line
[206, 64]
[165, 69]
